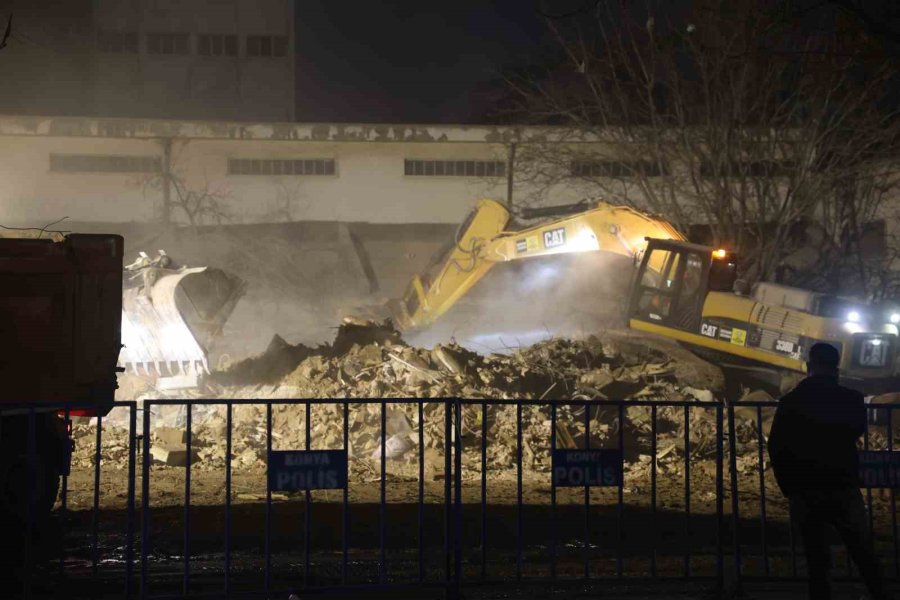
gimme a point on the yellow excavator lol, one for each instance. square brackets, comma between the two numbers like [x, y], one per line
[679, 290]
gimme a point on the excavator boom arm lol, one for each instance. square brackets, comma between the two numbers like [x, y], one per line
[484, 240]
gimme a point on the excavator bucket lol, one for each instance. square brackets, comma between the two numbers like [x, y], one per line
[171, 318]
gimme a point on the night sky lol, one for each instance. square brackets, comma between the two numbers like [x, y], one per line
[433, 61]
[408, 60]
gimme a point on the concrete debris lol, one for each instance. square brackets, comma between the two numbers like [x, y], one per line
[171, 436]
[370, 360]
[394, 447]
[701, 395]
[173, 456]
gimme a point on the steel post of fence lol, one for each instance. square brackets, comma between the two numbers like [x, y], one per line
[457, 482]
[553, 524]
[735, 504]
[890, 441]
[188, 435]
[484, 431]
[421, 507]
[687, 491]
[869, 512]
[587, 497]
[382, 513]
[520, 530]
[129, 536]
[228, 443]
[145, 502]
[720, 492]
[307, 512]
[64, 492]
[653, 467]
[268, 541]
[95, 514]
[448, 508]
[345, 501]
[619, 493]
[762, 488]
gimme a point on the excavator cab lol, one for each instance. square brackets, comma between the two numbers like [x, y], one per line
[673, 279]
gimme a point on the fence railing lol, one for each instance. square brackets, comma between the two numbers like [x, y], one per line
[441, 493]
[775, 545]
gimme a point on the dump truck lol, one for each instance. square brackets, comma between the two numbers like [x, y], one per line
[60, 322]
[679, 290]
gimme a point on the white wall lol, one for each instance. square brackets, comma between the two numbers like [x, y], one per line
[369, 184]
[31, 194]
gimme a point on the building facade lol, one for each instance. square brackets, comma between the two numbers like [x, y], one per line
[173, 59]
[109, 170]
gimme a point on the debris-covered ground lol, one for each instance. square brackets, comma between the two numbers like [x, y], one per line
[373, 362]
[368, 361]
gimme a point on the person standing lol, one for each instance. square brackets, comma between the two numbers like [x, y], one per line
[813, 451]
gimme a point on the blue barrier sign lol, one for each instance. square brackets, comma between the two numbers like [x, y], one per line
[579, 468]
[298, 470]
[879, 469]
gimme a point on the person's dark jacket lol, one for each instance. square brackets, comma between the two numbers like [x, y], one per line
[812, 444]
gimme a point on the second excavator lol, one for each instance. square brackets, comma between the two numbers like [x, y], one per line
[679, 290]
[171, 316]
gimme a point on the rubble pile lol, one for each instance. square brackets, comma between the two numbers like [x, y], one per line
[372, 361]
[369, 360]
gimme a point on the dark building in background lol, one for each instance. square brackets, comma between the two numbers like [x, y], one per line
[174, 59]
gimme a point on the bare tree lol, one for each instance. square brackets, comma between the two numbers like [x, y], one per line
[287, 204]
[202, 204]
[772, 133]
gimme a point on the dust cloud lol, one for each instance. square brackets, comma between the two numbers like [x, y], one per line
[517, 304]
[520, 303]
[262, 314]
[300, 282]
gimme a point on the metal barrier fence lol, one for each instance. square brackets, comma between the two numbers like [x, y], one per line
[470, 501]
[776, 547]
[464, 520]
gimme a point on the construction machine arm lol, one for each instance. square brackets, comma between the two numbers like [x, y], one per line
[484, 239]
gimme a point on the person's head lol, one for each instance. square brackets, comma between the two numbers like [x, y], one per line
[823, 360]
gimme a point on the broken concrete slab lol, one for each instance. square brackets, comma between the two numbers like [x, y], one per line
[173, 456]
[171, 436]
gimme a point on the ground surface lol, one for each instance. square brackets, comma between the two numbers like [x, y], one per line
[672, 528]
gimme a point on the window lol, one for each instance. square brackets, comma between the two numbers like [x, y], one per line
[454, 168]
[99, 163]
[655, 297]
[690, 297]
[261, 166]
[748, 168]
[217, 45]
[167, 43]
[117, 42]
[266, 45]
[618, 168]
